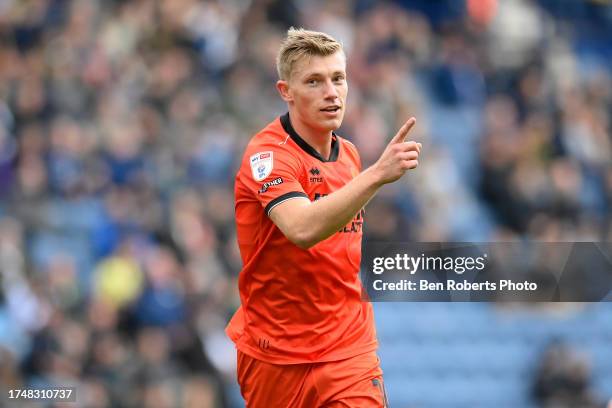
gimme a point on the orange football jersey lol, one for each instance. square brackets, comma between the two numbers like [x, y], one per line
[298, 305]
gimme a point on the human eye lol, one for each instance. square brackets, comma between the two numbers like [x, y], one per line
[312, 81]
[339, 78]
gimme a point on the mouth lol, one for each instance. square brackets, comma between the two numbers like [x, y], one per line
[331, 109]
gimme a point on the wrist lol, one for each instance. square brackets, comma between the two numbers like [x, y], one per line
[373, 176]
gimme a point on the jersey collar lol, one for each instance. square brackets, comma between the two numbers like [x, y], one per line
[335, 146]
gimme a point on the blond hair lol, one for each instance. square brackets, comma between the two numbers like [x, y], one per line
[301, 43]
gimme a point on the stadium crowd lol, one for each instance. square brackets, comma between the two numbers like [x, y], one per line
[122, 124]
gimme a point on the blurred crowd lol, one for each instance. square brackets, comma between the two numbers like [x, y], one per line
[563, 379]
[122, 123]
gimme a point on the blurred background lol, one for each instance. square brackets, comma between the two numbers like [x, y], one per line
[122, 124]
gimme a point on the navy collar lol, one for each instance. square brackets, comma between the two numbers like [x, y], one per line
[335, 145]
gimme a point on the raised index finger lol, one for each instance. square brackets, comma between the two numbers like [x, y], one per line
[400, 136]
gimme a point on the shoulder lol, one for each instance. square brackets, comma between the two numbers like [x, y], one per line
[350, 150]
[268, 149]
[348, 145]
[273, 136]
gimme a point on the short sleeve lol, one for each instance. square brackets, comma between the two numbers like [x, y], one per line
[272, 175]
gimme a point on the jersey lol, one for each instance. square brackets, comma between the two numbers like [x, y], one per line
[297, 305]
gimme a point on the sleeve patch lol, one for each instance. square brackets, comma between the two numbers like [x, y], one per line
[261, 165]
[266, 185]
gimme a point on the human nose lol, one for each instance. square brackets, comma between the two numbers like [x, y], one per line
[330, 90]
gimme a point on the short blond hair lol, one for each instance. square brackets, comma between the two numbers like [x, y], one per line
[301, 43]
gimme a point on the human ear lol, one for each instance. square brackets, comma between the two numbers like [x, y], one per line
[283, 90]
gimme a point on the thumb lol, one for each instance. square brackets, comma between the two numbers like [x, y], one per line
[401, 134]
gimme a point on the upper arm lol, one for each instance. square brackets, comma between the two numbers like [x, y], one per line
[286, 217]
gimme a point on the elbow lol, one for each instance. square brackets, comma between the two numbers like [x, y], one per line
[304, 244]
[303, 239]
[297, 228]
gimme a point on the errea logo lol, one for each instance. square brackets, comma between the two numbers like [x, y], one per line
[315, 173]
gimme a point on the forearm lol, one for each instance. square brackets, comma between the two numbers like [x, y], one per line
[306, 223]
[321, 219]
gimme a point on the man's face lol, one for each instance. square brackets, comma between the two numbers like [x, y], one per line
[317, 91]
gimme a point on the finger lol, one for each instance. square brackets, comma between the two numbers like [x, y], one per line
[417, 147]
[412, 155]
[410, 164]
[409, 146]
[400, 136]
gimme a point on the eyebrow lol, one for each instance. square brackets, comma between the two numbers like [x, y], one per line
[319, 74]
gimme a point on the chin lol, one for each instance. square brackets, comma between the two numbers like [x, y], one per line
[332, 124]
[338, 124]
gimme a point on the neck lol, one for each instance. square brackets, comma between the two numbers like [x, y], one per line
[318, 139]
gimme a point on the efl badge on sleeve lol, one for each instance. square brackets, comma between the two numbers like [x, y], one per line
[261, 165]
